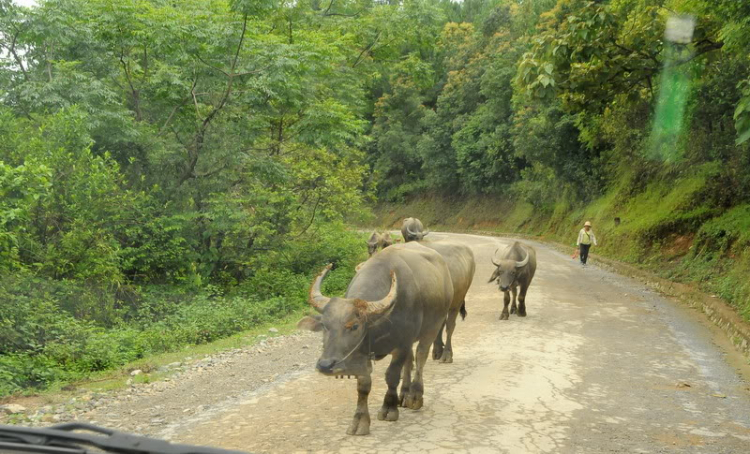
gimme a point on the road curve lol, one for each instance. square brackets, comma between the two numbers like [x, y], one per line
[600, 365]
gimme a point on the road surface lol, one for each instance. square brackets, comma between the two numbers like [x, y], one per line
[599, 365]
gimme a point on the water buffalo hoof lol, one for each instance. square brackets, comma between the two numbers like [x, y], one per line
[522, 314]
[388, 413]
[437, 352]
[513, 309]
[447, 357]
[414, 401]
[504, 316]
[360, 425]
[402, 397]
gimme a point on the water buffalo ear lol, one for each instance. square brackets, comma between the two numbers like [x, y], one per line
[310, 323]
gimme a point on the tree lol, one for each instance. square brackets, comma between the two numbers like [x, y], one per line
[218, 111]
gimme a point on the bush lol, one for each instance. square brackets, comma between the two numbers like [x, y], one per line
[49, 345]
[156, 247]
[56, 331]
[61, 203]
[19, 372]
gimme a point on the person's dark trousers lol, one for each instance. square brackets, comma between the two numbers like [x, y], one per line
[585, 252]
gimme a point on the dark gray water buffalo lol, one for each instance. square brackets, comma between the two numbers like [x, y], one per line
[412, 230]
[378, 241]
[400, 296]
[460, 260]
[515, 267]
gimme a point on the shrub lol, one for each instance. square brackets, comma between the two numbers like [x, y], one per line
[55, 331]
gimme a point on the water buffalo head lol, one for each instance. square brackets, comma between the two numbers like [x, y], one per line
[417, 235]
[372, 243]
[345, 323]
[507, 271]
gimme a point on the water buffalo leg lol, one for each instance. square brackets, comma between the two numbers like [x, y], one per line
[450, 326]
[506, 300]
[361, 421]
[414, 399]
[406, 378]
[513, 307]
[522, 302]
[389, 410]
[438, 346]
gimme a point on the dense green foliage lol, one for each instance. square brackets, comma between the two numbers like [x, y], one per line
[55, 331]
[171, 173]
[564, 98]
[175, 166]
[172, 144]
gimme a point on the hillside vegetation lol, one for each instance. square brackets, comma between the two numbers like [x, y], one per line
[174, 172]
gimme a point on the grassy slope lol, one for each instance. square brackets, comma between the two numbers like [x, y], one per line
[666, 227]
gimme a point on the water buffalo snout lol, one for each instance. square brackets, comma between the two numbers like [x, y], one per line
[326, 365]
[505, 289]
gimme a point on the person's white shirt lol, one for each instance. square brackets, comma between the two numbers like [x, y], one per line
[582, 233]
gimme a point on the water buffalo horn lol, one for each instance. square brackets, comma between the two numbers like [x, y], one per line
[523, 263]
[493, 257]
[317, 300]
[410, 232]
[377, 308]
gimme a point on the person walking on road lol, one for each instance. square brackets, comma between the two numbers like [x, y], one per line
[586, 238]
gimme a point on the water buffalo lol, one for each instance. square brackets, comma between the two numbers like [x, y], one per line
[378, 241]
[400, 296]
[412, 230]
[515, 266]
[460, 260]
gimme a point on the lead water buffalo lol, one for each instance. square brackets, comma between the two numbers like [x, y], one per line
[400, 296]
[378, 241]
[412, 230]
[515, 267]
[460, 260]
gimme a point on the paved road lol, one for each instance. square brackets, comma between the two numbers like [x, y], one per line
[600, 365]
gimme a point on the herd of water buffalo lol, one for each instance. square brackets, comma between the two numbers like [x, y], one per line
[405, 293]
